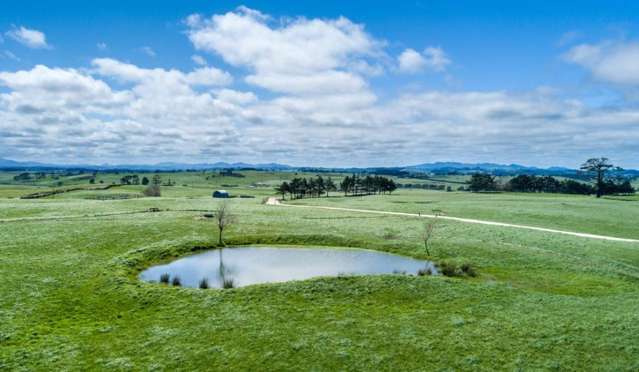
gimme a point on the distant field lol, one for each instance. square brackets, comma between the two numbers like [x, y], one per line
[606, 216]
[71, 299]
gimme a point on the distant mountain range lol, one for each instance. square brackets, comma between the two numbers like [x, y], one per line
[463, 168]
[432, 168]
[166, 166]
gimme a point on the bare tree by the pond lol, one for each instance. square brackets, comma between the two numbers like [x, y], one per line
[223, 219]
[429, 232]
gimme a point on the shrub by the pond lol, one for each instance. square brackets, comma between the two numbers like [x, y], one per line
[228, 283]
[164, 278]
[469, 270]
[451, 269]
[176, 281]
[204, 283]
[425, 271]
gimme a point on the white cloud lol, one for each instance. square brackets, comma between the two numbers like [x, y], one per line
[411, 61]
[29, 37]
[198, 60]
[611, 62]
[204, 76]
[54, 81]
[148, 51]
[296, 56]
[434, 58]
[67, 114]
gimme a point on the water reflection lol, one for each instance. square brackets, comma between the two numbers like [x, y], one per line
[252, 265]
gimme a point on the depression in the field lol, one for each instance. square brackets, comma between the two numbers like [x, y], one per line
[253, 265]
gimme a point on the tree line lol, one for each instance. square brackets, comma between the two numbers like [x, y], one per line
[299, 188]
[549, 184]
[526, 183]
[357, 185]
[318, 186]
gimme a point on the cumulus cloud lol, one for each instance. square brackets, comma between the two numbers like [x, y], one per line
[611, 62]
[411, 61]
[70, 114]
[29, 37]
[205, 76]
[298, 56]
[434, 58]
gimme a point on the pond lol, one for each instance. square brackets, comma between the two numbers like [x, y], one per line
[238, 267]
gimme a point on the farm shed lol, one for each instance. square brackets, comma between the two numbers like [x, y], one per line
[220, 194]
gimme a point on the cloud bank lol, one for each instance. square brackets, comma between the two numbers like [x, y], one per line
[301, 92]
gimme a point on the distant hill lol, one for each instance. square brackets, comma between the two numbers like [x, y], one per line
[5, 163]
[428, 168]
[504, 170]
[166, 166]
[466, 168]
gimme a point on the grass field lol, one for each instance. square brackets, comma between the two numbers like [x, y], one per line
[70, 298]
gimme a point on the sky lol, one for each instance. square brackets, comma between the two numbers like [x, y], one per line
[320, 83]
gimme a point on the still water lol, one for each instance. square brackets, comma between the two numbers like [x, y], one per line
[252, 265]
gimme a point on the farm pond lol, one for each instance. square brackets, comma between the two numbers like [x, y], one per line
[242, 266]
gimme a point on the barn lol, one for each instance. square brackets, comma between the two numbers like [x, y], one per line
[220, 194]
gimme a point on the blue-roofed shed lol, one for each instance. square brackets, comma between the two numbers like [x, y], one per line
[220, 194]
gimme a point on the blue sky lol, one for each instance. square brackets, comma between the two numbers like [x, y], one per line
[534, 82]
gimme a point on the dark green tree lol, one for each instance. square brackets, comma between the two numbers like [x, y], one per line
[482, 182]
[598, 167]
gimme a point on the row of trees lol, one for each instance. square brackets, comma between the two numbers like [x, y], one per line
[131, 180]
[530, 183]
[526, 183]
[155, 180]
[302, 187]
[318, 186]
[357, 185]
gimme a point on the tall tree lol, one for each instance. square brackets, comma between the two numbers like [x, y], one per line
[321, 186]
[157, 180]
[598, 166]
[283, 189]
[482, 182]
[345, 185]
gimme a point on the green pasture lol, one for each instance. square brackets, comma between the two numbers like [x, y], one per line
[70, 298]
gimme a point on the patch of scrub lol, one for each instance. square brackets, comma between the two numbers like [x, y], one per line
[253, 265]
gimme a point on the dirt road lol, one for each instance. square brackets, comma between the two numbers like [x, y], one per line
[275, 201]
